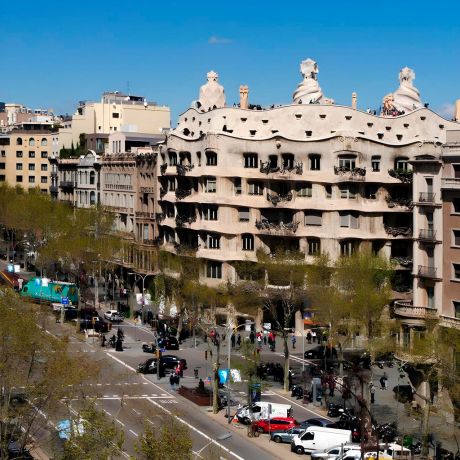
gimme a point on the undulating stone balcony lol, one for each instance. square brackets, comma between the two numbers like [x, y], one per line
[350, 174]
[450, 183]
[182, 170]
[275, 199]
[398, 231]
[277, 227]
[405, 309]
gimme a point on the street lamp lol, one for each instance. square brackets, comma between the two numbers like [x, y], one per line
[222, 437]
[230, 331]
[143, 290]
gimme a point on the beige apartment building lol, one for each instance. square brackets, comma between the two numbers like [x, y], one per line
[115, 112]
[24, 156]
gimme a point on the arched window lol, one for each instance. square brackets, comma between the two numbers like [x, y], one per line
[44, 142]
[31, 142]
[19, 141]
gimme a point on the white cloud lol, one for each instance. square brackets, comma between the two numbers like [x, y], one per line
[446, 110]
[216, 40]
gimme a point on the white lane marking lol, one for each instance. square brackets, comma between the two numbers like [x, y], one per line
[136, 411]
[134, 433]
[120, 422]
[99, 384]
[144, 395]
[212, 441]
[114, 396]
[144, 383]
[151, 423]
[107, 412]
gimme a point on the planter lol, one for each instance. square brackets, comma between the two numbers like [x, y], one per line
[198, 398]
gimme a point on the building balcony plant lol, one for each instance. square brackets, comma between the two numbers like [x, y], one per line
[398, 231]
[182, 170]
[265, 224]
[183, 193]
[182, 220]
[404, 175]
[275, 199]
[399, 201]
[267, 168]
[185, 249]
[340, 170]
[426, 271]
[403, 261]
[296, 167]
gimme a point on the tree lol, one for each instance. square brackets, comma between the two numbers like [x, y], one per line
[172, 441]
[93, 436]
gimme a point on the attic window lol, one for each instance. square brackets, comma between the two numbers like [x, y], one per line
[370, 125]
[441, 126]
[406, 125]
[298, 116]
[274, 131]
[264, 122]
[322, 116]
[243, 119]
[388, 128]
[380, 135]
[199, 123]
[209, 120]
[193, 119]
[423, 118]
[186, 131]
[252, 132]
[308, 133]
[332, 132]
[224, 117]
[361, 132]
[347, 117]
[185, 119]
[399, 136]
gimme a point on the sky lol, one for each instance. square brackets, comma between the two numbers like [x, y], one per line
[54, 54]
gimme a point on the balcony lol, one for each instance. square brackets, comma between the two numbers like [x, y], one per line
[182, 170]
[426, 198]
[398, 231]
[160, 216]
[404, 175]
[151, 242]
[350, 174]
[275, 199]
[402, 261]
[67, 184]
[450, 183]
[145, 215]
[182, 220]
[399, 201]
[267, 168]
[427, 234]
[275, 226]
[450, 321]
[405, 309]
[426, 272]
[53, 189]
[183, 193]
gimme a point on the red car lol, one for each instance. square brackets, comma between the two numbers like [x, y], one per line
[276, 424]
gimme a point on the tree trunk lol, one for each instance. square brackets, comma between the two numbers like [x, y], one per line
[179, 324]
[286, 363]
[215, 386]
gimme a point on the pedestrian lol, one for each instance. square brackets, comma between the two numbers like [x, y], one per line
[103, 340]
[331, 386]
[259, 340]
[177, 380]
[319, 337]
[233, 340]
[252, 337]
[238, 340]
[294, 340]
[265, 339]
[383, 381]
[309, 337]
[290, 380]
[313, 336]
[372, 392]
[172, 381]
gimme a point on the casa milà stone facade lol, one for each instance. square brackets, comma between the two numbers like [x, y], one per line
[308, 176]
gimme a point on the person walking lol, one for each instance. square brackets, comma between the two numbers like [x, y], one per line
[372, 392]
[294, 340]
[265, 339]
[383, 381]
[233, 340]
[252, 337]
[172, 381]
[309, 337]
[238, 340]
[313, 336]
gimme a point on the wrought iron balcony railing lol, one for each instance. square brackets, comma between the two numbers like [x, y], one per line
[426, 272]
[427, 234]
[182, 170]
[275, 199]
[398, 231]
[265, 224]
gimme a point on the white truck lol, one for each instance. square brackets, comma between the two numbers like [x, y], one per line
[263, 410]
[318, 437]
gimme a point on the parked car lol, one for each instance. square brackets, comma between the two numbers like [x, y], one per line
[353, 426]
[113, 315]
[320, 351]
[275, 424]
[318, 421]
[149, 348]
[286, 436]
[168, 343]
[333, 453]
[95, 322]
[171, 361]
[318, 437]
[148, 367]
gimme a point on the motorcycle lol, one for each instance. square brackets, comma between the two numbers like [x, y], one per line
[149, 348]
[297, 392]
[334, 410]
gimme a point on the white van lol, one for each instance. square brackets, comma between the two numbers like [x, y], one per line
[318, 437]
[333, 453]
[395, 450]
[263, 410]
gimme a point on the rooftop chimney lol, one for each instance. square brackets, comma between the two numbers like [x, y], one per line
[244, 92]
[354, 98]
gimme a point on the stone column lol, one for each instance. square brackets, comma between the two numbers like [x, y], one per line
[244, 94]
[354, 100]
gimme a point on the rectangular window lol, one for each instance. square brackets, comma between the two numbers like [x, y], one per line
[375, 162]
[31, 179]
[2, 165]
[401, 163]
[18, 166]
[210, 185]
[456, 205]
[172, 158]
[456, 304]
[456, 239]
[31, 167]
[328, 191]
[211, 159]
[32, 154]
[370, 192]
[347, 163]
[347, 248]
[349, 220]
[243, 214]
[255, 188]
[44, 167]
[304, 189]
[313, 218]
[117, 115]
[250, 160]
[214, 270]
[18, 178]
[314, 246]
[210, 212]
[456, 271]
[348, 191]
[3, 153]
[315, 162]
[171, 184]
[237, 186]
[456, 171]
[44, 154]
[212, 241]
[18, 153]
[44, 180]
[248, 242]
[2, 178]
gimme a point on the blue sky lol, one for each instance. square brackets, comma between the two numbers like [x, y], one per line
[54, 54]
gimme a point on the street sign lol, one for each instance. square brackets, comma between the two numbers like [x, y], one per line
[65, 300]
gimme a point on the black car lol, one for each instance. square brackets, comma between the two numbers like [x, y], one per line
[320, 352]
[319, 421]
[168, 343]
[96, 323]
[170, 362]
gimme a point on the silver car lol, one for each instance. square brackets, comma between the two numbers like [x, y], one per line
[333, 453]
